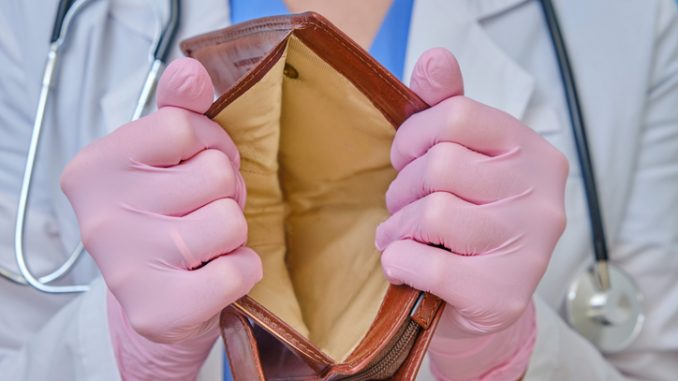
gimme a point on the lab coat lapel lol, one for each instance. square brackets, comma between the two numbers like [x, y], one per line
[197, 17]
[143, 18]
[498, 82]
[482, 9]
[117, 104]
[602, 50]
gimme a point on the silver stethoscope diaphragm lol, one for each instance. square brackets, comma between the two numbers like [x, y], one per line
[611, 318]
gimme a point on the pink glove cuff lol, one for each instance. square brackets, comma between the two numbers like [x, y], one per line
[141, 359]
[502, 356]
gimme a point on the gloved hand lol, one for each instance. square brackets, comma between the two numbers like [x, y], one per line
[477, 208]
[159, 202]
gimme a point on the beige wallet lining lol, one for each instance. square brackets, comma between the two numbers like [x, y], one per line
[315, 158]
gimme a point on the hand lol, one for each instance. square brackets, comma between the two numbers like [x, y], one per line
[477, 208]
[159, 202]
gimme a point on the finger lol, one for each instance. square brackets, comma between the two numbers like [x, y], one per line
[178, 130]
[457, 120]
[437, 76]
[450, 167]
[185, 84]
[420, 266]
[444, 219]
[170, 136]
[215, 229]
[471, 285]
[202, 293]
[181, 189]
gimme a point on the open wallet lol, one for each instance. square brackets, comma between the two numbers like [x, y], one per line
[313, 116]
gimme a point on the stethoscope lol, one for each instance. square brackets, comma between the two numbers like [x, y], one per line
[67, 10]
[603, 304]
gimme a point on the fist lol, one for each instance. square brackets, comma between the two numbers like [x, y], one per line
[477, 205]
[159, 203]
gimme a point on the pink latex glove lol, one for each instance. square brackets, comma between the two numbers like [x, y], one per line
[159, 203]
[488, 191]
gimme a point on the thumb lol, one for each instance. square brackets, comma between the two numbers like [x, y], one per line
[185, 84]
[437, 76]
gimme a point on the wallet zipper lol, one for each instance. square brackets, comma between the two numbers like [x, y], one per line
[391, 361]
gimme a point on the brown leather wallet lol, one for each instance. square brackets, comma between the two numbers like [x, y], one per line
[313, 116]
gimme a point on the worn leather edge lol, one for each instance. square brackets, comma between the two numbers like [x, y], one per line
[335, 47]
[241, 346]
[273, 23]
[427, 310]
[385, 91]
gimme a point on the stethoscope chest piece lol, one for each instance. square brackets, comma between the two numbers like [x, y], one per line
[610, 319]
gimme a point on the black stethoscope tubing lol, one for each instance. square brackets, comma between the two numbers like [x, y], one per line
[578, 131]
[167, 35]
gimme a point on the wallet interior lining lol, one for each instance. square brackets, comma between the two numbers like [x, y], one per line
[315, 158]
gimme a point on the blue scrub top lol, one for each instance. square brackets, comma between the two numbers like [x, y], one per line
[389, 46]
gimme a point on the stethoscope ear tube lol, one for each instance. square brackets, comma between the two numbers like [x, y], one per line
[576, 116]
[161, 51]
[169, 32]
[62, 10]
[66, 11]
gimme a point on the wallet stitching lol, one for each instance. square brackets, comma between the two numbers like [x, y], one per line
[426, 311]
[317, 25]
[222, 103]
[218, 39]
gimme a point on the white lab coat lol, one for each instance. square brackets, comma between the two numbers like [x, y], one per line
[625, 56]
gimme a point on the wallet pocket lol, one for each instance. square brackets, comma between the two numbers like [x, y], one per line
[313, 117]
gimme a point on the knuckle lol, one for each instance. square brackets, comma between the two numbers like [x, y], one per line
[176, 123]
[560, 217]
[458, 111]
[91, 228]
[437, 277]
[80, 167]
[435, 209]
[511, 310]
[143, 324]
[562, 163]
[557, 217]
[436, 164]
[70, 175]
[229, 213]
[240, 228]
[399, 147]
[218, 168]
[559, 162]
[393, 204]
[238, 282]
[226, 209]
